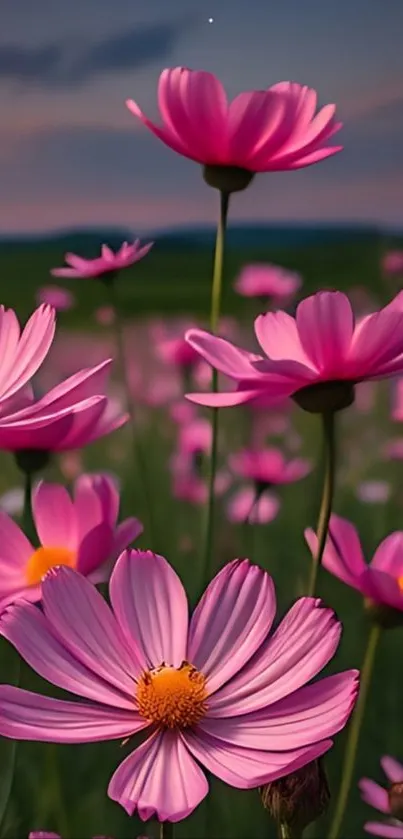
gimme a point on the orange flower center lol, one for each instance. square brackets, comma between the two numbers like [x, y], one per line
[170, 697]
[44, 559]
[400, 583]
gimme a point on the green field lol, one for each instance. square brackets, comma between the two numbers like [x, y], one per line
[64, 788]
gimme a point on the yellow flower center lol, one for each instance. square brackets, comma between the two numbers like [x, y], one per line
[400, 583]
[170, 697]
[44, 559]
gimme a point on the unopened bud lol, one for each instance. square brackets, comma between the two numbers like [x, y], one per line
[299, 798]
[325, 397]
[395, 795]
[227, 178]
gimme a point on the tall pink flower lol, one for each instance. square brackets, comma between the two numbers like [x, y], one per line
[259, 131]
[265, 467]
[381, 582]
[267, 281]
[108, 263]
[389, 802]
[268, 466]
[71, 415]
[218, 692]
[22, 353]
[81, 532]
[316, 357]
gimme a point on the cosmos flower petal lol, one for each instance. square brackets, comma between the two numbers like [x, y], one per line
[54, 516]
[286, 660]
[374, 795]
[392, 769]
[26, 627]
[246, 768]
[150, 604]
[81, 618]
[314, 712]
[389, 831]
[160, 779]
[230, 622]
[27, 716]
[343, 554]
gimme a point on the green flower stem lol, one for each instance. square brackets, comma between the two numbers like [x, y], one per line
[329, 439]
[139, 460]
[216, 295]
[166, 830]
[354, 732]
[285, 832]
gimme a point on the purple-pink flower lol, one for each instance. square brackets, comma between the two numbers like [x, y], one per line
[259, 131]
[70, 416]
[321, 345]
[392, 263]
[44, 834]
[389, 802]
[267, 281]
[80, 532]
[22, 353]
[59, 298]
[217, 692]
[381, 581]
[108, 263]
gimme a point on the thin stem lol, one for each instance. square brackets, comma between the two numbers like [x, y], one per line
[123, 372]
[27, 519]
[328, 423]
[216, 295]
[166, 830]
[285, 832]
[354, 732]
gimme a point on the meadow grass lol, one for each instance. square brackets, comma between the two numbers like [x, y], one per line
[65, 788]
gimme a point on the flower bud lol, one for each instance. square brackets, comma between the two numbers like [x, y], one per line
[325, 397]
[395, 795]
[227, 178]
[299, 798]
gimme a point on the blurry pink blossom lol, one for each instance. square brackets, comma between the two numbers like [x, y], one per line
[386, 801]
[108, 263]
[268, 466]
[267, 281]
[246, 506]
[105, 315]
[374, 492]
[392, 263]
[59, 298]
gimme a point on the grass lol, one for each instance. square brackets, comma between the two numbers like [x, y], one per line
[64, 788]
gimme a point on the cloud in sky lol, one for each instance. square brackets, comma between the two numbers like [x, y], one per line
[73, 63]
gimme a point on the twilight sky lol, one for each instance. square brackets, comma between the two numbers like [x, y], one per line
[71, 154]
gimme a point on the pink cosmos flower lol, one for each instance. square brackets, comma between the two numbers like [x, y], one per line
[321, 345]
[246, 505]
[70, 416]
[265, 467]
[259, 131]
[381, 581]
[178, 352]
[22, 353]
[59, 298]
[392, 263]
[393, 449]
[108, 263]
[385, 800]
[267, 280]
[218, 692]
[268, 466]
[81, 533]
[374, 492]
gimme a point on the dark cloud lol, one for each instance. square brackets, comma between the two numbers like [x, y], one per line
[72, 64]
